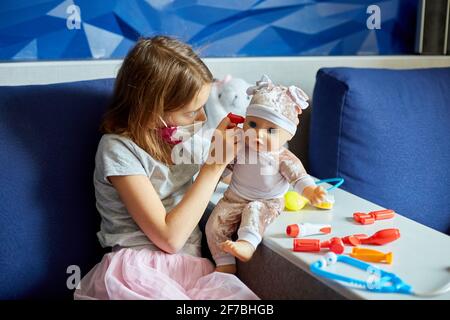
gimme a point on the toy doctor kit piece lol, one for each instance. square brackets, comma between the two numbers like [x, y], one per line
[314, 245]
[371, 255]
[234, 118]
[369, 218]
[377, 281]
[294, 201]
[307, 229]
[378, 238]
[353, 240]
[336, 244]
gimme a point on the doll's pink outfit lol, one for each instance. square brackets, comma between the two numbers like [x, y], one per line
[255, 195]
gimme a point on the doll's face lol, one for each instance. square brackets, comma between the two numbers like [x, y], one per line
[263, 135]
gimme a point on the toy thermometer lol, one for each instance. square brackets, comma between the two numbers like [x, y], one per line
[307, 229]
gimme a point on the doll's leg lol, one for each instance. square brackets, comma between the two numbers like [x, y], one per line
[256, 216]
[221, 225]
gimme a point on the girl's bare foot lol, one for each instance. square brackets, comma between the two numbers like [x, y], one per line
[228, 268]
[241, 249]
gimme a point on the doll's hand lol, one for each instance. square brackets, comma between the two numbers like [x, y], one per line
[315, 195]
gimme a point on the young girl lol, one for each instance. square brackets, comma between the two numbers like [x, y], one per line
[150, 207]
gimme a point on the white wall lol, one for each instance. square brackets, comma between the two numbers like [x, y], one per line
[286, 70]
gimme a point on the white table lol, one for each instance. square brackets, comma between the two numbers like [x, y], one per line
[421, 254]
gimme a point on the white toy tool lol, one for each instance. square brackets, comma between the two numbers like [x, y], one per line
[307, 229]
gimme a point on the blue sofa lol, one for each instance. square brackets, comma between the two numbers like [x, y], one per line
[387, 132]
[363, 129]
[48, 219]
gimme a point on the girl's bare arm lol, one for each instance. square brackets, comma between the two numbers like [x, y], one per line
[170, 230]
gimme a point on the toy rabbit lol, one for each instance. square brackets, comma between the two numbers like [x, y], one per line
[227, 95]
[262, 174]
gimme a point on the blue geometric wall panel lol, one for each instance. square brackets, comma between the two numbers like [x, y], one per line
[103, 29]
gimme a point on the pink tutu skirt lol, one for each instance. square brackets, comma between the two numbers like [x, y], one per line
[147, 274]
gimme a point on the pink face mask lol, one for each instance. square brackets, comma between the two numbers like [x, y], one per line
[177, 134]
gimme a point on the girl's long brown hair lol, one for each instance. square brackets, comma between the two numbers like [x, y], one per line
[159, 74]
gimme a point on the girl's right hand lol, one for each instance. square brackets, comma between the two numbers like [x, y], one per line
[226, 143]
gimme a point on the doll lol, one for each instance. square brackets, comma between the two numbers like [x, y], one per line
[262, 173]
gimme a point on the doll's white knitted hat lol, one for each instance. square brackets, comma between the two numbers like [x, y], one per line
[277, 104]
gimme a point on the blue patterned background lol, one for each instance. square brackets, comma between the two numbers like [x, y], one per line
[38, 29]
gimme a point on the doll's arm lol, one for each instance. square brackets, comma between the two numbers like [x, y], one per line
[292, 169]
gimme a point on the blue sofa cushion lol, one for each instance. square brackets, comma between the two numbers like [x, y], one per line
[387, 132]
[48, 220]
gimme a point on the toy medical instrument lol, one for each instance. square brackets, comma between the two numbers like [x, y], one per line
[234, 118]
[381, 237]
[294, 201]
[307, 229]
[339, 181]
[377, 281]
[353, 240]
[314, 245]
[371, 255]
[369, 218]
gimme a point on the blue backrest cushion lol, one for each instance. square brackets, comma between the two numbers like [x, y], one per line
[387, 132]
[48, 220]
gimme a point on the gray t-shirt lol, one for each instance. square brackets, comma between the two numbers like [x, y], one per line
[120, 156]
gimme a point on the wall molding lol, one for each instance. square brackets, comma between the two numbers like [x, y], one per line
[286, 70]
